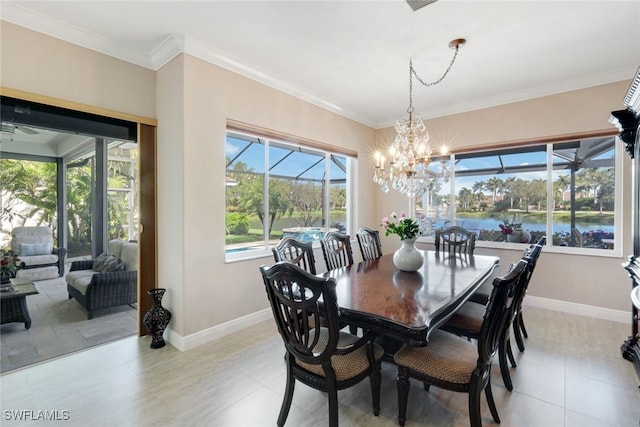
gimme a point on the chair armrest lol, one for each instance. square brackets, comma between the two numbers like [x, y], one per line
[85, 264]
[114, 278]
[365, 339]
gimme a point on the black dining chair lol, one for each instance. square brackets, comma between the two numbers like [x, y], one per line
[322, 357]
[455, 240]
[296, 252]
[453, 363]
[467, 321]
[369, 243]
[336, 249]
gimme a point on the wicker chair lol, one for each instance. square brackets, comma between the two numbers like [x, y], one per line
[323, 358]
[454, 363]
[369, 243]
[39, 260]
[455, 240]
[336, 249]
[297, 252]
[101, 289]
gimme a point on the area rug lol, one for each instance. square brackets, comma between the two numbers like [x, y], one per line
[59, 327]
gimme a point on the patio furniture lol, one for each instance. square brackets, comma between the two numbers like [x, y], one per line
[39, 260]
[13, 303]
[105, 282]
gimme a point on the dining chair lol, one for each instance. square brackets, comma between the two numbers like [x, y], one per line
[453, 363]
[455, 239]
[297, 252]
[336, 249]
[369, 242]
[467, 321]
[481, 296]
[323, 357]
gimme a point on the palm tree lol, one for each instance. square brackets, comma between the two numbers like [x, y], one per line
[494, 184]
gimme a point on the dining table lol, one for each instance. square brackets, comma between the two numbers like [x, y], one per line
[405, 307]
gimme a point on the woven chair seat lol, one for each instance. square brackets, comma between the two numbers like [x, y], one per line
[467, 319]
[447, 357]
[348, 365]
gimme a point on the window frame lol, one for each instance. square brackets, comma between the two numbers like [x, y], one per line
[616, 252]
[271, 138]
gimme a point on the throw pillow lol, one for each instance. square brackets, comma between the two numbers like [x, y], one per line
[98, 263]
[112, 264]
[31, 249]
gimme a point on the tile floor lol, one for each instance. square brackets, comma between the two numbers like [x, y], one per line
[571, 375]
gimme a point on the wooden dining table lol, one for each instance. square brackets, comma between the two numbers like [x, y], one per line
[403, 306]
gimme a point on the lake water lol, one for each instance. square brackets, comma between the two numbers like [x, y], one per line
[558, 227]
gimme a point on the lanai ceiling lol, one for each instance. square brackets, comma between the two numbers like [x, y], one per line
[352, 57]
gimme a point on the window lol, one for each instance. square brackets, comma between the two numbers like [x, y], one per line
[565, 190]
[277, 189]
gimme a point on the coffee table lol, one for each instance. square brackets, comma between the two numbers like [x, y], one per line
[14, 303]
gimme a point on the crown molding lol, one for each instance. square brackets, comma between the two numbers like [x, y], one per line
[16, 14]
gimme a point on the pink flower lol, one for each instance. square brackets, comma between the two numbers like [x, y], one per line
[403, 214]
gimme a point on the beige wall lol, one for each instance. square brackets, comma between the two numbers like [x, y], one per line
[193, 99]
[593, 281]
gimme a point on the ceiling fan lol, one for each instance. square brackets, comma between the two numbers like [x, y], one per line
[417, 4]
[10, 128]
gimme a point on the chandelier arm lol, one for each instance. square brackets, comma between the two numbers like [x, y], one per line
[413, 71]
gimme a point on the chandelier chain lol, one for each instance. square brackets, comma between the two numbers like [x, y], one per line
[413, 71]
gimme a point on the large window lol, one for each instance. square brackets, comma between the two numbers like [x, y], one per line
[564, 190]
[277, 189]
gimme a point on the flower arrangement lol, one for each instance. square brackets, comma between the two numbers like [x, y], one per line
[508, 227]
[8, 264]
[405, 227]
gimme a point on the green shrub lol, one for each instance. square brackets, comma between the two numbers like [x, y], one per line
[237, 223]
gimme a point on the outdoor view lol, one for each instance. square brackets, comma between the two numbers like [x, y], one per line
[29, 196]
[505, 195]
[307, 192]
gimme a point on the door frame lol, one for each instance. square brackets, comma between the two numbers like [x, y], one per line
[147, 192]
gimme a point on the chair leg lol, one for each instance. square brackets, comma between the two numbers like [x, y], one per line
[288, 396]
[512, 358]
[491, 403]
[520, 320]
[403, 394]
[518, 335]
[376, 380]
[502, 358]
[475, 418]
[333, 407]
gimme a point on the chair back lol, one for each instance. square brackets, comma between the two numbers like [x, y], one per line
[500, 310]
[32, 240]
[296, 252]
[336, 249]
[369, 242]
[455, 239]
[294, 295]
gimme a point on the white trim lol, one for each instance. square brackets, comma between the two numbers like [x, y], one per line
[220, 331]
[578, 309]
[205, 336]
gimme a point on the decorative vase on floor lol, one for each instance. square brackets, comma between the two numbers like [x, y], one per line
[408, 258]
[519, 236]
[157, 318]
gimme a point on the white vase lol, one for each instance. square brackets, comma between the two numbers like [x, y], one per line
[519, 236]
[408, 258]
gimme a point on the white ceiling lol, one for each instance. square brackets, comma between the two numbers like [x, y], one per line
[352, 57]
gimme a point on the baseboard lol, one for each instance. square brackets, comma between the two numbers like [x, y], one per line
[219, 331]
[579, 309]
[184, 343]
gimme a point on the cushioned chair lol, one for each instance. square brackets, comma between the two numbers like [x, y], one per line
[369, 243]
[481, 296]
[109, 280]
[454, 240]
[336, 249]
[454, 363]
[321, 357]
[297, 252]
[39, 260]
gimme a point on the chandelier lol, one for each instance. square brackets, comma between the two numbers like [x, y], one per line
[410, 154]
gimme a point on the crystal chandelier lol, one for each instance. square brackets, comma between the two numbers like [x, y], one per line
[410, 154]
